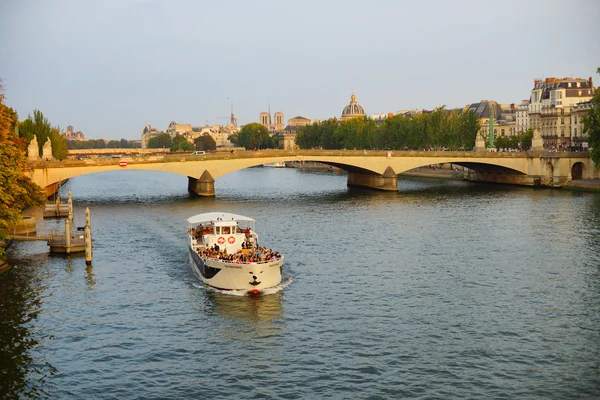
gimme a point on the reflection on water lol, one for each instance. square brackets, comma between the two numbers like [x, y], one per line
[22, 371]
[257, 310]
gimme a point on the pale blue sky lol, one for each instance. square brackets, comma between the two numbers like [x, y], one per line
[109, 67]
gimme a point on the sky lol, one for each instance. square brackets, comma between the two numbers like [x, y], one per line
[109, 67]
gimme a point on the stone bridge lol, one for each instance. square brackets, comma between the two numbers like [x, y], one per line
[367, 168]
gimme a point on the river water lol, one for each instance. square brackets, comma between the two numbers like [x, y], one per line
[444, 289]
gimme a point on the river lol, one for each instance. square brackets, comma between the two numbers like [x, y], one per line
[443, 289]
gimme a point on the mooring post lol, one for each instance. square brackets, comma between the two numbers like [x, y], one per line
[70, 207]
[67, 236]
[88, 237]
[57, 205]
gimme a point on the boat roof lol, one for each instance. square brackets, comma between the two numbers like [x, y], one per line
[213, 216]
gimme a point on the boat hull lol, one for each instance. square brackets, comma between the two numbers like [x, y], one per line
[237, 276]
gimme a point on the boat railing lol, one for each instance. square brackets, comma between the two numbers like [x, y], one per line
[241, 262]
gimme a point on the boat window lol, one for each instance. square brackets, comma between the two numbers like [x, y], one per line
[218, 230]
[225, 230]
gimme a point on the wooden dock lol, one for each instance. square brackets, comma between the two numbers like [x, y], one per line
[57, 209]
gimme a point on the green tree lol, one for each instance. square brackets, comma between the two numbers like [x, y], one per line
[234, 138]
[39, 127]
[205, 142]
[60, 150]
[161, 141]
[274, 141]
[254, 136]
[17, 191]
[591, 126]
[180, 143]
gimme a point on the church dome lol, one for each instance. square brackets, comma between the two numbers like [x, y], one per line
[353, 109]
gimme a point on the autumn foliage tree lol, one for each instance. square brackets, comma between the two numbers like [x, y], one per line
[17, 191]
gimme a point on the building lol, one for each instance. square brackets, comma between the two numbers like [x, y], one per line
[522, 117]
[148, 133]
[578, 134]
[379, 118]
[175, 129]
[287, 138]
[352, 110]
[70, 135]
[503, 115]
[265, 119]
[558, 98]
[551, 103]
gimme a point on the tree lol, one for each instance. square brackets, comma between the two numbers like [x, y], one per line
[17, 191]
[233, 138]
[161, 141]
[39, 127]
[180, 143]
[205, 142]
[274, 141]
[254, 136]
[591, 125]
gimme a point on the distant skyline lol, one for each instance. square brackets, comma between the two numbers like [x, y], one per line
[109, 67]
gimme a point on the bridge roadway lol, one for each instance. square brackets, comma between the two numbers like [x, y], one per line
[374, 169]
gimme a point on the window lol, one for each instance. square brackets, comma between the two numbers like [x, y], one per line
[562, 121]
[574, 131]
[502, 132]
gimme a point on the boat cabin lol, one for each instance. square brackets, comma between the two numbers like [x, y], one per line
[227, 234]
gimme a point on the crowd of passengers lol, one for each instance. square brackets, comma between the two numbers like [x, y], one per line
[250, 255]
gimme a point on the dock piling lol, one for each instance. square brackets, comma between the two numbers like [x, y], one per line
[88, 237]
[67, 236]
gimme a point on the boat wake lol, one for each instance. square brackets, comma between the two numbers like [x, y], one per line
[240, 293]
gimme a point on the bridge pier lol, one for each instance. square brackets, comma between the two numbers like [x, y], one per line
[388, 181]
[203, 186]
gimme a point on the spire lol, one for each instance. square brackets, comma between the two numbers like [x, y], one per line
[491, 136]
[233, 120]
[270, 112]
[353, 99]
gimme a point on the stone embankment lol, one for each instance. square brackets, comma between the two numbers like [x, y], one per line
[584, 185]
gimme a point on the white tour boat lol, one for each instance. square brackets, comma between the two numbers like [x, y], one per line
[225, 253]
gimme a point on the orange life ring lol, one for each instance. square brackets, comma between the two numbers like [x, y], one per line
[221, 240]
[231, 240]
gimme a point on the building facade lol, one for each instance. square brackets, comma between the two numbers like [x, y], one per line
[148, 133]
[504, 116]
[71, 135]
[287, 138]
[551, 103]
[522, 117]
[265, 119]
[558, 98]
